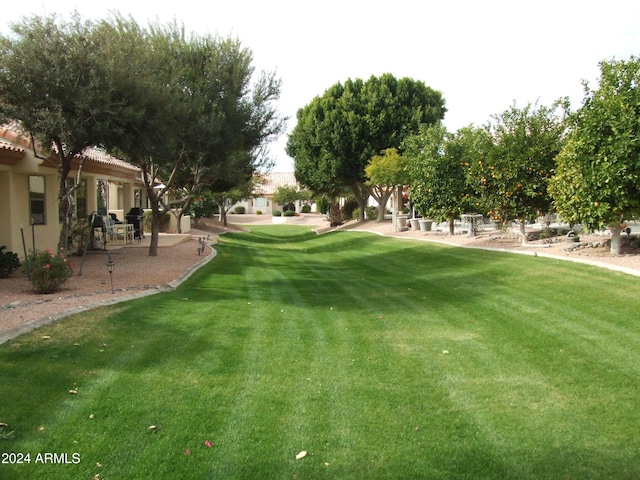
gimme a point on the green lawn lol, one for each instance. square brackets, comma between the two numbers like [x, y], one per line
[380, 358]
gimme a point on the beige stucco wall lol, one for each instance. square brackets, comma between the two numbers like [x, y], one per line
[14, 198]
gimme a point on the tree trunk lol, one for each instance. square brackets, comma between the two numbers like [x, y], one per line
[523, 233]
[179, 220]
[155, 230]
[362, 203]
[64, 213]
[64, 203]
[615, 239]
[382, 203]
[452, 225]
[361, 194]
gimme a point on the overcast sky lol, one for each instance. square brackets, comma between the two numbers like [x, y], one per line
[482, 55]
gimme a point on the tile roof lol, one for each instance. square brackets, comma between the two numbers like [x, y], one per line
[272, 181]
[5, 145]
[99, 156]
[11, 135]
[14, 139]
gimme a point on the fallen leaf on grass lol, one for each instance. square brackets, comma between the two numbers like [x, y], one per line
[46, 337]
[208, 443]
[445, 351]
[187, 452]
[302, 454]
[73, 392]
[153, 427]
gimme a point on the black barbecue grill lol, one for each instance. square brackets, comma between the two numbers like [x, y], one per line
[136, 218]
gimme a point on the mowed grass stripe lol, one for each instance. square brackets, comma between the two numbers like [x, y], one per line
[381, 358]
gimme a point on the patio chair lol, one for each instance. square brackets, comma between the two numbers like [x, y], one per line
[119, 232]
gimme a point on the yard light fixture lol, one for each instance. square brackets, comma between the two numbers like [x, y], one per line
[110, 264]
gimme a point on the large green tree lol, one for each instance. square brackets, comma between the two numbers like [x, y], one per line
[233, 116]
[340, 131]
[147, 67]
[186, 109]
[440, 165]
[513, 180]
[199, 122]
[56, 83]
[597, 181]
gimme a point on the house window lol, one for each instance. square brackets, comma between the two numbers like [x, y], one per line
[37, 199]
[261, 202]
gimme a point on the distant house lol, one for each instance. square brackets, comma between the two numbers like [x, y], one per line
[29, 191]
[262, 200]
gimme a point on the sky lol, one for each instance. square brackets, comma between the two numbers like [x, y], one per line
[483, 56]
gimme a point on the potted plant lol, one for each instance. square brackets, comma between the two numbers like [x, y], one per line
[425, 224]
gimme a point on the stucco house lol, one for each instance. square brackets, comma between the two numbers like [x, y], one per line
[29, 191]
[262, 200]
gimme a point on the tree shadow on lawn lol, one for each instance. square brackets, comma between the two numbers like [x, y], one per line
[353, 265]
[537, 461]
[281, 235]
[358, 270]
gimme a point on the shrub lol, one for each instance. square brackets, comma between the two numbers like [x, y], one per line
[258, 212]
[289, 213]
[239, 209]
[80, 235]
[277, 213]
[348, 208]
[355, 214]
[163, 226]
[306, 208]
[146, 221]
[165, 220]
[8, 262]
[47, 270]
[203, 206]
[323, 205]
[372, 212]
